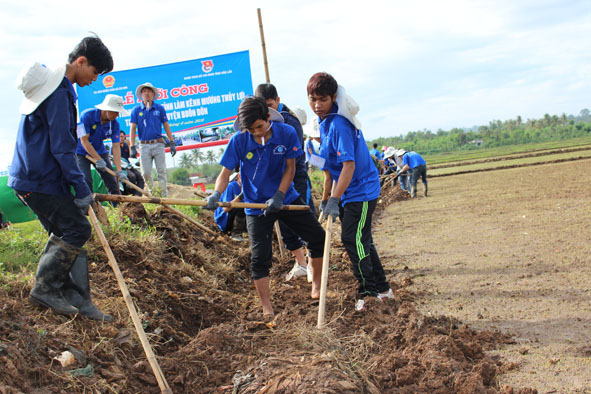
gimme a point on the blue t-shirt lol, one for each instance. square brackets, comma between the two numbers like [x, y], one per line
[413, 159]
[341, 142]
[149, 121]
[376, 153]
[97, 132]
[219, 215]
[295, 123]
[262, 167]
[44, 159]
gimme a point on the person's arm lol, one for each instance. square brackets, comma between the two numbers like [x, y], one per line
[168, 131]
[344, 179]
[117, 156]
[288, 175]
[327, 187]
[221, 183]
[62, 142]
[132, 135]
[404, 168]
[84, 140]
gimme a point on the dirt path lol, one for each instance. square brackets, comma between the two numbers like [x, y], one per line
[506, 250]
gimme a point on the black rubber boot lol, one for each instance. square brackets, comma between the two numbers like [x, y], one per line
[77, 290]
[52, 272]
[425, 184]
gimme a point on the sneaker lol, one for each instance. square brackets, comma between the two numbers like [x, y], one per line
[387, 295]
[309, 273]
[360, 306]
[296, 272]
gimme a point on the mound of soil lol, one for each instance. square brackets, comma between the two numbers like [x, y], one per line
[200, 311]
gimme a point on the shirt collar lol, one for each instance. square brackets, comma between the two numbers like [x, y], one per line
[71, 87]
[252, 144]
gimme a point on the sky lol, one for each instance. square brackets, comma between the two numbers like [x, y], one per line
[409, 65]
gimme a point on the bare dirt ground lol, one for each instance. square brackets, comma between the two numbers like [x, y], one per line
[507, 250]
[200, 311]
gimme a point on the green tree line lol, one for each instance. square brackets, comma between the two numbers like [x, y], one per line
[496, 133]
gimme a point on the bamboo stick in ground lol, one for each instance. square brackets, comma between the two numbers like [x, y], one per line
[324, 278]
[279, 239]
[162, 383]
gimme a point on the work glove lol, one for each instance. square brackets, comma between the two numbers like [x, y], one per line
[100, 165]
[275, 203]
[83, 203]
[133, 152]
[323, 205]
[212, 200]
[172, 148]
[332, 208]
[122, 175]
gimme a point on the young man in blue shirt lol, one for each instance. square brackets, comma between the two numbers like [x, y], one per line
[265, 150]
[301, 181]
[357, 183]
[149, 118]
[44, 168]
[416, 165]
[97, 125]
[230, 219]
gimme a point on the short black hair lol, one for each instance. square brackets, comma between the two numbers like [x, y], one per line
[322, 84]
[250, 110]
[266, 91]
[97, 54]
[375, 146]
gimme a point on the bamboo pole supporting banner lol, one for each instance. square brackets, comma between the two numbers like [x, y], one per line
[268, 79]
[162, 383]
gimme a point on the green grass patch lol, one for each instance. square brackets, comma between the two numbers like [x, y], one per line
[21, 246]
[440, 158]
[509, 162]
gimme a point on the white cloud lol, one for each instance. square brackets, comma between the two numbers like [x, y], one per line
[410, 65]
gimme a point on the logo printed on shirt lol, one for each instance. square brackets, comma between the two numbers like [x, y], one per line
[338, 153]
[94, 127]
[141, 114]
[280, 150]
[295, 148]
[156, 113]
[249, 155]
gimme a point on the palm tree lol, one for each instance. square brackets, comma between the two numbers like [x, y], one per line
[210, 157]
[197, 157]
[185, 161]
[220, 153]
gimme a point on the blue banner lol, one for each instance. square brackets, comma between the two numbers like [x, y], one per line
[201, 96]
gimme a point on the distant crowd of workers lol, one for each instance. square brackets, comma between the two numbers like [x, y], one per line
[408, 166]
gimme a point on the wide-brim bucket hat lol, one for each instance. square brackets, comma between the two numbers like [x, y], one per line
[37, 82]
[138, 90]
[389, 152]
[112, 102]
[300, 113]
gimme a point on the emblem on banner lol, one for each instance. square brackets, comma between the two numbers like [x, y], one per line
[109, 81]
[207, 65]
